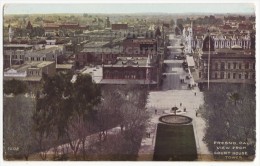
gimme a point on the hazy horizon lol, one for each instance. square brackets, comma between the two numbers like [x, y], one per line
[163, 8]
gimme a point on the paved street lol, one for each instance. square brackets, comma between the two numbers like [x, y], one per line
[174, 71]
[173, 74]
[173, 93]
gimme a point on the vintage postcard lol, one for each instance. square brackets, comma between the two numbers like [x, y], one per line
[129, 82]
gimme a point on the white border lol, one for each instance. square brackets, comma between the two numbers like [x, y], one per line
[256, 161]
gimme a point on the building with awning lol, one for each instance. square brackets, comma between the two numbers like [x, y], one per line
[190, 61]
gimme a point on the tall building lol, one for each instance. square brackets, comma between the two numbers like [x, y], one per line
[188, 36]
[226, 65]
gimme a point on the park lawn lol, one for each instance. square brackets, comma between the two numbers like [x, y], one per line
[175, 143]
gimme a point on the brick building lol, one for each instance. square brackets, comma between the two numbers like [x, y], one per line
[137, 70]
[15, 53]
[139, 46]
[227, 65]
[119, 26]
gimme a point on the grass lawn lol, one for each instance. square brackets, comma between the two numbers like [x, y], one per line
[175, 143]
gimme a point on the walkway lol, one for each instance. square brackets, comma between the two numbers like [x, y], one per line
[163, 101]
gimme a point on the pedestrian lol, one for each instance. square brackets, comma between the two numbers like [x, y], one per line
[180, 104]
[196, 113]
[184, 109]
[195, 93]
[155, 111]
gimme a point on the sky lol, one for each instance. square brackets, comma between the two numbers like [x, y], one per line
[129, 8]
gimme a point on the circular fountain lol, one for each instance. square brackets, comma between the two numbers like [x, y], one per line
[175, 119]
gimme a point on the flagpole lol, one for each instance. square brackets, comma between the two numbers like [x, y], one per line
[208, 61]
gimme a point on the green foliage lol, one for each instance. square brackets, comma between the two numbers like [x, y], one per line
[17, 124]
[125, 106]
[211, 20]
[229, 112]
[14, 86]
[37, 31]
[62, 100]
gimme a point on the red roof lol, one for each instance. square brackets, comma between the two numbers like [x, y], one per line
[50, 26]
[119, 26]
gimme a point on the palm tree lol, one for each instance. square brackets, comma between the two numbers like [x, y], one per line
[234, 97]
[174, 109]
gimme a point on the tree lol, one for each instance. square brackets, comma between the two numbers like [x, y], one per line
[37, 31]
[179, 21]
[234, 97]
[17, 124]
[108, 112]
[67, 108]
[134, 114]
[86, 95]
[14, 86]
[230, 121]
[38, 19]
[180, 27]
[125, 106]
[158, 32]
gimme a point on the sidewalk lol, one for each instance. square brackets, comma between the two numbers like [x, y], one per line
[91, 139]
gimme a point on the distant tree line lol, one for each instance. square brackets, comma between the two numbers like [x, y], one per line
[35, 31]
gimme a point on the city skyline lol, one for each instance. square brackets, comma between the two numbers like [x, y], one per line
[170, 8]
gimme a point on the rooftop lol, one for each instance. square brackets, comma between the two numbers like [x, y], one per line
[129, 61]
[42, 52]
[34, 79]
[103, 50]
[95, 72]
[24, 67]
[17, 45]
[95, 44]
[230, 53]
[190, 61]
[64, 66]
